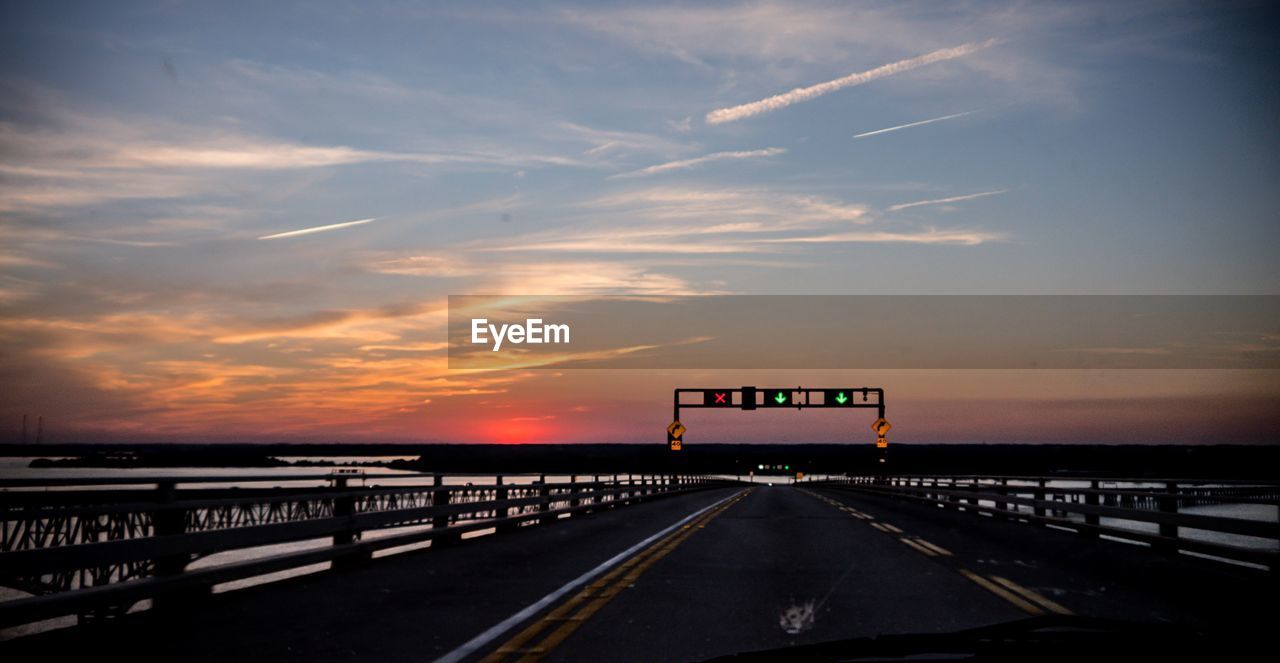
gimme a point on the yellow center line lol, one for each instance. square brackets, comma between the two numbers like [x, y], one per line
[934, 547]
[919, 548]
[1032, 595]
[1024, 605]
[597, 594]
[561, 612]
[1025, 599]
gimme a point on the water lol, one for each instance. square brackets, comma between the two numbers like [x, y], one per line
[1257, 512]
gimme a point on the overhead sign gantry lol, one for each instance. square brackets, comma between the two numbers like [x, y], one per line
[752, 398]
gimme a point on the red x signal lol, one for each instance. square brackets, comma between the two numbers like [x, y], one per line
[717, 398]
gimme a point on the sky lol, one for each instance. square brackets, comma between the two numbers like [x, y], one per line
[241, 221]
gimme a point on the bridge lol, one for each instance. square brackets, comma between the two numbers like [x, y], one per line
[619, 567]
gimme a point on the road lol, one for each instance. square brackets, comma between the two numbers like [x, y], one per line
[687, 578]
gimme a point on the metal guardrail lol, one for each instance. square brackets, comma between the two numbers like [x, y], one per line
[1036, 499]
[96, 553]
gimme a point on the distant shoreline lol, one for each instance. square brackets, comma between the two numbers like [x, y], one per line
[115, 461]
[1064, 460]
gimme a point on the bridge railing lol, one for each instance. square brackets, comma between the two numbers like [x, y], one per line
[95, 553]
[1147, 511]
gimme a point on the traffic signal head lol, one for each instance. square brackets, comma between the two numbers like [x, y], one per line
[717, 397]
[837, 397]
[778, 398]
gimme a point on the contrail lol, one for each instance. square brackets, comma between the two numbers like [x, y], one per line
[913, 124]
[806, 93]
[939, 201]
[318, 229]
[690, 163]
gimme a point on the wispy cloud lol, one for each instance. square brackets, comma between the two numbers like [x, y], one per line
[942, 201]
[913, 124]
[80, 141]
[760, 209]
[318, 229]
[571, 277]
[614, 142]
[930, 236]
[681, 221]
[735, 113]
[75, 159]
[684, 164]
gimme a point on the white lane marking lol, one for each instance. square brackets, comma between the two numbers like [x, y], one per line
[474, 644]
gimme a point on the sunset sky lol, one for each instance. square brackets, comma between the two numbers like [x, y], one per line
[241, 221]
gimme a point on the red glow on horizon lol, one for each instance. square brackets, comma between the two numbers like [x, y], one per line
[514, 431]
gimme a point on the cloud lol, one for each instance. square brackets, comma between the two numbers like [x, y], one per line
[931, 236]
[363, 326]
[666, 241]
[76, 142]
[912, 124]
[686, 221]
[318, 229]
[586, 277]
[75, 159]
[607, 142]
[702, 35]
[764, 45]
[735, 113]
[940, 201]
[759, 209]
[776, 223]
[684, 164]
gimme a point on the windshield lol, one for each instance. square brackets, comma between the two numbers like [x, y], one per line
[638, 331]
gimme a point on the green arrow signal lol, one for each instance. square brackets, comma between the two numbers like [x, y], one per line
[780, 398]
[841, 398]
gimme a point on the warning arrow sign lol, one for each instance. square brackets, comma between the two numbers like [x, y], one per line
[881, 427]
[674, 432]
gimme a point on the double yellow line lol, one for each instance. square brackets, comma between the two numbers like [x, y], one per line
[568, 616]
[1027, 600]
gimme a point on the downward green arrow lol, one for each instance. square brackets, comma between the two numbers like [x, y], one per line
[780, 398]
[841, 398]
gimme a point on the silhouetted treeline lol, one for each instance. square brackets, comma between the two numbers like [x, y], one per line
[180, 457]
[1223, 461]
[1148, 461]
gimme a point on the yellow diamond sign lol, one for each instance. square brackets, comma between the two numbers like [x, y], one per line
[881, 427]
[676, 429]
